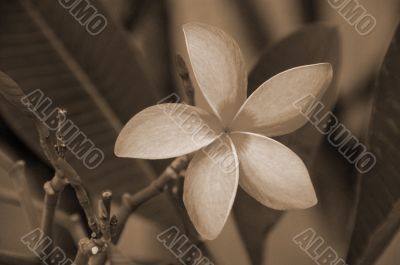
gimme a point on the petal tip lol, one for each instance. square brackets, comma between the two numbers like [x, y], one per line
[120, 147]
[309, 200]
[192, 26]
[203, 227]
[328, 69]
[118, 150]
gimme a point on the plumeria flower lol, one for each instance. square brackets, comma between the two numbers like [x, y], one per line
[230, 130]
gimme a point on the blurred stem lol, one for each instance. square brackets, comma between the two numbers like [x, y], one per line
[53, 189]
[18, 176]
[71, 223]
[131, 202]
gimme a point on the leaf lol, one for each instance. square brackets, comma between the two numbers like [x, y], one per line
[96, 78]
[378, 213]
[313, 44]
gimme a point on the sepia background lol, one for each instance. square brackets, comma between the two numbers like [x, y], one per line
[103, 80]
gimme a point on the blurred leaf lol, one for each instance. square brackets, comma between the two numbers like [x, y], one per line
[147, 33]
[116, 257]
[250, 17]
[13, 93]
[378, 213]
[147, 25]
[97, 79]
[313, 44]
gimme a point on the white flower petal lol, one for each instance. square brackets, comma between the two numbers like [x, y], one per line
[167, 130]
[210, 186]
[272, 173]
[218, 67]
[270, 109]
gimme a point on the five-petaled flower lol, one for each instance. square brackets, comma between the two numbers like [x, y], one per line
[269, 171]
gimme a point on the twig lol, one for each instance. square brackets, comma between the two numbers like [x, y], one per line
[104, 222]
[113, 228]
[104, 214]
[85, 203]
[18, 176]
[131, 202]
[11, 258]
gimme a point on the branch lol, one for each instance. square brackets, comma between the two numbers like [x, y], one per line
[131, 202]
[65, 174]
